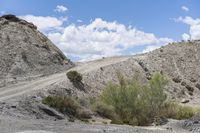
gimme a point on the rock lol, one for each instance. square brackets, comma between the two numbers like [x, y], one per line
[193, 80]
[197, 86]
[185, 100]
[13, 106]
[192, 124]
[177, 79]
[11, 17]
[160, 121]
[183, 83]
[189, 88]
[190, 93]
[51, 111]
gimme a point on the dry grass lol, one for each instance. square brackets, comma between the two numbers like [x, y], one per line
[177, 111]
[68, 106]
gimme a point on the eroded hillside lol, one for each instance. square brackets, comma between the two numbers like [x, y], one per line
[26, 53]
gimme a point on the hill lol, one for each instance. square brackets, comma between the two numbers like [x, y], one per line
[25, 53]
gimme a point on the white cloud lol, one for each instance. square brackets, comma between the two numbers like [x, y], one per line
[188, 20]
[79, 21]
[61, 8]
[194, 26]
[150, 48]
[97, 39]
[185, 36]
[44, 23]
[101, 38]
[184, 8]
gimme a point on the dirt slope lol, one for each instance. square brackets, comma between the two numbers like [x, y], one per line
[25, 53]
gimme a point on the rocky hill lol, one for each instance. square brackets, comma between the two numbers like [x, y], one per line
[25, 53]
[180, 62]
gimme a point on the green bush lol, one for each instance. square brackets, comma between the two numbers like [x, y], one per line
[107, 111]
[68, 106]
[177, 111]
[134, 103]
[74, 76]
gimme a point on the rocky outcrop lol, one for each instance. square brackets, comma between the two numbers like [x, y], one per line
[25, 53]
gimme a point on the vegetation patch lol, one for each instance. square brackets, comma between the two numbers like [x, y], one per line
[177, 111]
[74, 76]
[135, 103]
[129, 102]
[68, 106]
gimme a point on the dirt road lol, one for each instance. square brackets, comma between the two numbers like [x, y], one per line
[19, 89]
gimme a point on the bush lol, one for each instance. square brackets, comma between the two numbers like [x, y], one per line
[107, 111]
[132, 102]
[68, 106]
[74, 76]
[176, 111]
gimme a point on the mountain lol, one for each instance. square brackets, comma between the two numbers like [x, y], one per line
[25, 53]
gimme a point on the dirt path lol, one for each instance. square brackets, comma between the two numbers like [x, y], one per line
[29, 86]
[10, 125]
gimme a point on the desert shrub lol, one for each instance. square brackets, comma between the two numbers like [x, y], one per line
[68, 106]
[74, 76]
[107, 111]
[134, 103]
[131, 101]
[176, 111]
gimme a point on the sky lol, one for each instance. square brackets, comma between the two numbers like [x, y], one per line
[92, 29]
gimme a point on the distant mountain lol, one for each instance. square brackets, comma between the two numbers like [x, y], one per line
[26, 53]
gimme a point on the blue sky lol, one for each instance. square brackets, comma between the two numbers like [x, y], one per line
[112, 23]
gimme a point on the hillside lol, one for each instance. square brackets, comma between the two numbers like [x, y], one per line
[25, 53]
[179, 61]
[37, 68]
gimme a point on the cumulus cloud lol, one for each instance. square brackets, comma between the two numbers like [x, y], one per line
[101, 38]
[61, 8]
[185, 36]
[184, 8]
[194, 26]
[150, 48]
[97, 39]
[44, 23]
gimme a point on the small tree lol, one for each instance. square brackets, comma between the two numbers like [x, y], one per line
[74, 76]
[132, 101]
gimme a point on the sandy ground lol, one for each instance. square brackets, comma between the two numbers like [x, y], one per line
[9, 125]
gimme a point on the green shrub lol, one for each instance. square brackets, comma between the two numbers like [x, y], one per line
[133, 103]
[74, 76]
[68, 106]
[107, 111]
[177, 111]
